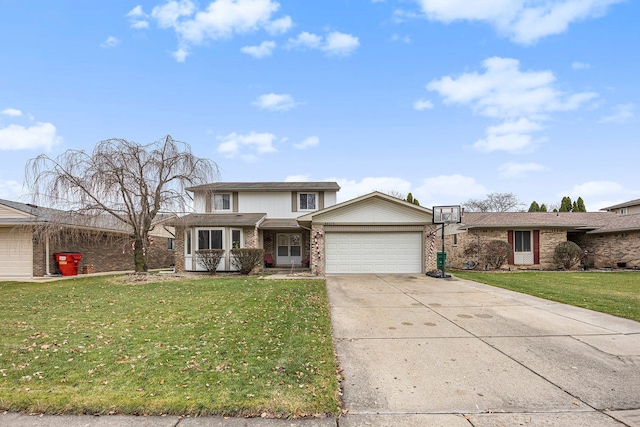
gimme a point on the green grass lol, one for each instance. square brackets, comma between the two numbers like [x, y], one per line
[225, 346]
[616, 293]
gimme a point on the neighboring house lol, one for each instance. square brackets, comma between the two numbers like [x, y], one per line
[610, 240]
[627, 208]
[299, 223]
[30, 236]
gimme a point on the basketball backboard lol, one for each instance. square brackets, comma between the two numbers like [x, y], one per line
[446, 214]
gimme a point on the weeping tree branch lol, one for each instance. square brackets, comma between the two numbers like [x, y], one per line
[123, 180]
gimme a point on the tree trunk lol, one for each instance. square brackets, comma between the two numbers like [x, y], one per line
[139, 257]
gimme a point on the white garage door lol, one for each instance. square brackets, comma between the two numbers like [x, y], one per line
[373, 253]
[16, 253]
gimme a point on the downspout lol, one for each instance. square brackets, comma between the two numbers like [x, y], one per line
[46, 251]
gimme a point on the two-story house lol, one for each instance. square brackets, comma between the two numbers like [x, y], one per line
[254, 215]
[627, 208]
[300, 223]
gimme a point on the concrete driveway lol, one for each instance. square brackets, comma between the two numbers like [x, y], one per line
[421, 351]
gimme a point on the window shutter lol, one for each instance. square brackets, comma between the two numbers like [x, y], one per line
[321, 200]
[234, 200]
[536, 246]
[294, 201]
[208, 201]
[510, 240]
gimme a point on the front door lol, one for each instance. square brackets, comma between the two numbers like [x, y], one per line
[289, 251]
[522, 252]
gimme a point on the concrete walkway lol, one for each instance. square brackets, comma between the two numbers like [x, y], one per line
[421, 351]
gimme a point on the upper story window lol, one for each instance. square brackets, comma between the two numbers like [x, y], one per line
[307, 201]
[222, 202]
[623, 211]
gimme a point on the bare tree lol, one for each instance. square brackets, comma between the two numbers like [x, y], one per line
[495, 202]
[121, 179]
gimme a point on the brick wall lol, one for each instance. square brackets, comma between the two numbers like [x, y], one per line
[432, 244]
[607, 250]
[317, 250]
[103, 252]
[179, 251]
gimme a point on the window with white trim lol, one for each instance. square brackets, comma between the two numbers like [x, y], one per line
[307, 201]
[623, 211]
[222, 202]
[210, 239]
[171, 244]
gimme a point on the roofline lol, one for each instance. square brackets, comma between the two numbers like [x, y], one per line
[309, 217]
[622, 205]
[271, 186]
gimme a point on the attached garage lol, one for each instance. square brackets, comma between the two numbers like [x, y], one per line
[16, 252]
[373, 252]
[375, 233]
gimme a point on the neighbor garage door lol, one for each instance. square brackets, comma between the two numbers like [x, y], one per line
[373, 252]
[16, 253]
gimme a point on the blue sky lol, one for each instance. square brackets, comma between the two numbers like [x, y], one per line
[447, 99]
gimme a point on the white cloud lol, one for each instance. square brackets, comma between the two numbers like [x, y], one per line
[39, 136]
[621, 113]
[511, 170]
[448, 189]
[221, 19]
[580, 65]
[505, 91]
[522, 99]
[350, 189]
[422, 104]
[306, 40]
[264, 49]
[180, 54]
[599, 194]
[136, 12]
[235, 144]
[137, 18]
[340, 44]
[11, 112]
[275, 102]
[334, 44]
[10, 189]
[522, 21]
[513, 136]
[279, 26]
[312, 141]
[111, 41]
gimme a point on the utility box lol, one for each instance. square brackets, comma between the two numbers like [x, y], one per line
[441, 260]
[68, 263]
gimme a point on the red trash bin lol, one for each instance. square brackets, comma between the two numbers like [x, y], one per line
[68, 262]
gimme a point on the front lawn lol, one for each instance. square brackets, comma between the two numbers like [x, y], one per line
[226, 346]
[616, 293]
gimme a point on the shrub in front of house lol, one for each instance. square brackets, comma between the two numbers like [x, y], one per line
[496, 253]
[493, 253]
[246, 259]
[567, 255]
[209, 259]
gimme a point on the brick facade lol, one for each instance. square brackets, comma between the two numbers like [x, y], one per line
[100, 253]
[317, 262]
[603, 250]
[607, 250]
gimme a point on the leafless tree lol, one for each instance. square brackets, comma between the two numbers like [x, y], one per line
[495, 202]
[122, 180]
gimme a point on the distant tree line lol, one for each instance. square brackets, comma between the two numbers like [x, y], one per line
[509, 202]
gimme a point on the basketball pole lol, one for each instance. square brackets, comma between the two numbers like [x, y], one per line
[444, 259]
